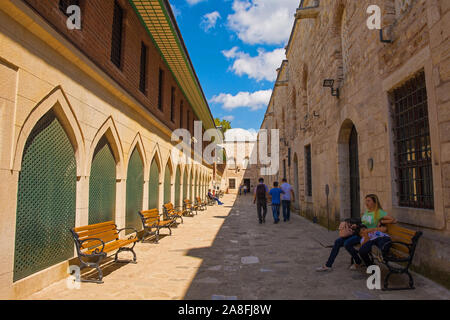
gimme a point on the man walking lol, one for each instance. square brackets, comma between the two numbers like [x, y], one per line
[275, 194]
[260, 198]
[287, 197]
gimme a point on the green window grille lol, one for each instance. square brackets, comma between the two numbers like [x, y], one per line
[102, 184]
[135, 191]
[196, 188]
[153, 186]
[167, 186]
[191, 187]
[177, 187]
[46, 199]
[185, 184]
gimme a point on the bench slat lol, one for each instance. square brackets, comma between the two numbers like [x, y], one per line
[93, 226]
[88, 234]
[114, 245]
[105, 237]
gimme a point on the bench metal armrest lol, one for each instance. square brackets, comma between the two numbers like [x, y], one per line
[129, 228]
[96, 251]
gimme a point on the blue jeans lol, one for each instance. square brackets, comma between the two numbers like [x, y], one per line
[276, 211]
[383, 243]
[286, 209]
[349, 244]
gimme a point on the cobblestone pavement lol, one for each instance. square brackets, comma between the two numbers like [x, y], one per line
[223, 253]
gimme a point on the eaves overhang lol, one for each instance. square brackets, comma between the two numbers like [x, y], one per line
[157, 17]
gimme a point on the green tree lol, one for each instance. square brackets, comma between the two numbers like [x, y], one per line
[224, 124]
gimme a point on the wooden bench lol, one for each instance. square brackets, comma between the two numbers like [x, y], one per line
[152, 220]
[201, 204]
[399, 257]
[170, 213]
[210, 200]
[94, 242]
[189, 208]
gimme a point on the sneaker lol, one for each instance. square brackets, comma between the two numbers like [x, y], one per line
[323, 269]
[354, 267]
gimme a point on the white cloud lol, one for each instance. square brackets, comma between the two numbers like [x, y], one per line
[229, 118]
[239, 134]
[261, 67]
[194, 2]
[263, 21]
[176, 11]
[253, 100]
[209, 20]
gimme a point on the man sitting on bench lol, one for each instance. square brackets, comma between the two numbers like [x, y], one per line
[210, 195]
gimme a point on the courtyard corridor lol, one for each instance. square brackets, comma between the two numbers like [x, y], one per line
[223, 253]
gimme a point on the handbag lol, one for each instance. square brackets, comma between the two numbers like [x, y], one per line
[345, 230]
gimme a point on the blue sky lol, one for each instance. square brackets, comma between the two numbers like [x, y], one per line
[236, 47]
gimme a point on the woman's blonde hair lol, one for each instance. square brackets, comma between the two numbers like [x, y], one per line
[378, 206]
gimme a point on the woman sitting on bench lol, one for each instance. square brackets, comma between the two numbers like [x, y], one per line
[210, 195]
[349, 238]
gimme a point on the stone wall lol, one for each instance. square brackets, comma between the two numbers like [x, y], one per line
[41, 71]
[337, 44]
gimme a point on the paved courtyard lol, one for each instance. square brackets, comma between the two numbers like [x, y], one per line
[223, 253]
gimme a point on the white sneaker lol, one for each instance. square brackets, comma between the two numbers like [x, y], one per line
[323, 269]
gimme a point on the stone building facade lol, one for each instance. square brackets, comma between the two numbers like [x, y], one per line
[86, 118]
[238, 170]
[382, 127]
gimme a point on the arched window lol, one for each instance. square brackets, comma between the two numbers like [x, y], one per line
[178, 187]
[153, 185]
[102, 184]
[167, 183]
[46, 199]
[135, 190]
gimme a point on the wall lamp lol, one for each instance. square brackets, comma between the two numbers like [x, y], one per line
[382, 38]
[329, 83]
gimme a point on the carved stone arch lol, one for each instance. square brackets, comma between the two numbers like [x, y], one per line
[57, 101]
[108, 130]
[137, 143]
[172, 168]
[156, 155]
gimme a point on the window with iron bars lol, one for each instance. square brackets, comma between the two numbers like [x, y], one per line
[412, 143]
[117, 30]
[160, 89]
[172, 104]
[143, 70]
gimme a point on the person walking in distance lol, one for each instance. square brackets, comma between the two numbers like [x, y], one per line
[286, 198]
[260, 198]
[275, 194]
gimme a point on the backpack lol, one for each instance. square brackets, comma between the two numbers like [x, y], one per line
[261, 192]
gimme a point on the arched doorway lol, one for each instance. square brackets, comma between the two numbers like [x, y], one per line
[354, 174]
[135, 190]
[46, 199]
[348, 162]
